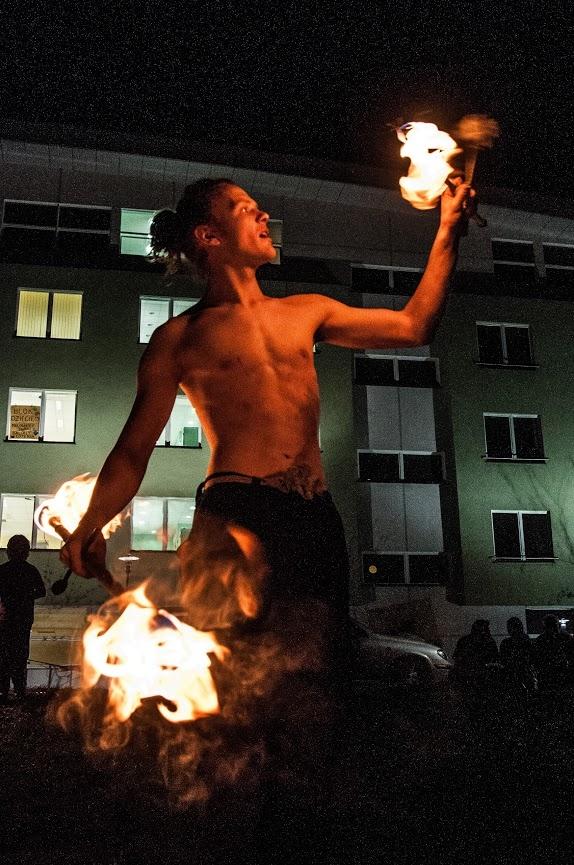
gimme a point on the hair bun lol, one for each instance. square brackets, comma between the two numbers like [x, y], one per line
[166, 232]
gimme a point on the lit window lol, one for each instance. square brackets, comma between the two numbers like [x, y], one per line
[41, 415]
[52, 314]
[134, 231]
[522, 535]
[160, 524]
[513, 437]
[502, 344]
[17, 518]
[183, 428]
[155, 311]
[396, 371]
[275, 227]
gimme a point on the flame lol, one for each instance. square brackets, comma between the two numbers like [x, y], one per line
[429, 150]
[147, 652]
[68, 507]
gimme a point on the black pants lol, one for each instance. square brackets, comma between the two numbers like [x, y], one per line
[301, 624]
[14, 651]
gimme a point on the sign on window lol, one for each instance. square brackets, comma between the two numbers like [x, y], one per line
[24, 421]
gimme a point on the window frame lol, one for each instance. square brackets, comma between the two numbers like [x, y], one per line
[165, 524]
[50, 292]
[401, 455]
[514, 458]
[38, 498]
[56, 229]
[395, 359]
[406, 554]
[502, 325]
[43, 392]
[170, 300]
[521, 537]
[389, 269]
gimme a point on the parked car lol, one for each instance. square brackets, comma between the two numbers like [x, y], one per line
[396, 660]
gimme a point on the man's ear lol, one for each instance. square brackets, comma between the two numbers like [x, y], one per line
[205, 235]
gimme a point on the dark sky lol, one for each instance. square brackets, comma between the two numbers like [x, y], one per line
[317, 79]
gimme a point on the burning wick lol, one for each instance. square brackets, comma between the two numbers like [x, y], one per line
[148, 652]
[60, 515]
[429, 150]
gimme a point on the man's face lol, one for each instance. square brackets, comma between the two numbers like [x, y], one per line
[237, 233]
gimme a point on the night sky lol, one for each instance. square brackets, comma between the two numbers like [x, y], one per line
[314, 79]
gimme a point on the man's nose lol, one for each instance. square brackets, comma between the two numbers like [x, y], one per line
[262, 216]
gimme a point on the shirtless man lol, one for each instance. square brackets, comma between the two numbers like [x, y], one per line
[245, 361]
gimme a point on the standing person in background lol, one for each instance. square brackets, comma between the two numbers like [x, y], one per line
[20, 585]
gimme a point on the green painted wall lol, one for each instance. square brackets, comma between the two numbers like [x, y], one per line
[482, 485]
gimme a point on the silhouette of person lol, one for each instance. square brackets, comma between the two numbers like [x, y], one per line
[552, 654]
[517, 656]
[20, 585]
[473, 654]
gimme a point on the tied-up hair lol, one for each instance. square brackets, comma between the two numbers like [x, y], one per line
[172, 230]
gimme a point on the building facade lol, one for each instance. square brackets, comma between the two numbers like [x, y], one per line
[451, 464]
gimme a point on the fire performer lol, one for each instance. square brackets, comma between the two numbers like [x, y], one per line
[245, 361]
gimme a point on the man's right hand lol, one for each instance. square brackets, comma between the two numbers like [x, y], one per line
[85, 555]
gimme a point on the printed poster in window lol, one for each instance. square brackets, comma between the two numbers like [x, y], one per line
[24, 421]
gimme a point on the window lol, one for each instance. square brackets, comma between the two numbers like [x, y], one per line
[41, 415]
[394, 467]
[396, 371]
[514, 260]
[17, 518]
[183, 428]
[374, 279]
[513, 437]
[134, 231]
[522, 535]
[70, 226]
[501, 344]
[52, 314]
[275, 227]
[559, 264]
[160, 524]
[157, 310]
[405, 568]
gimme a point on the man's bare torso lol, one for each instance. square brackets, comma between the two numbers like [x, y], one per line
[250, 375]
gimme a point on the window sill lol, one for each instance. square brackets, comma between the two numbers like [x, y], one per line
[489, 459]
[403, 481]
[507, 365]
[549, 559]
[180, 447]
[38, 441]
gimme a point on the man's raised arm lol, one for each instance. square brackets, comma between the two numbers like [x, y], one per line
[415, 324]
[124, 468]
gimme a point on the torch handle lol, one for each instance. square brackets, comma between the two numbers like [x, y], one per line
[101, 574]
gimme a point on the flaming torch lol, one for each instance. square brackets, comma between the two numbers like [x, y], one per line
[60, 515]
[475, 132]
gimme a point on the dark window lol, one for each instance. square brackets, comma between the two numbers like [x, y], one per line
[423, 468]
[560, 277]
[38, 214]
[370, 280]
[506, 535]
[88, 218]
[428, 569]
[528, 438]
[384, 570]
[370, 370]
[498, 440]
[518, 345]
[537, 536]
[505, 250]
[489, 343]
[515, 274]
[405, 281]
[82, 243]
[379, 468]
[558, 254]
[28, 241]
[417, 373]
